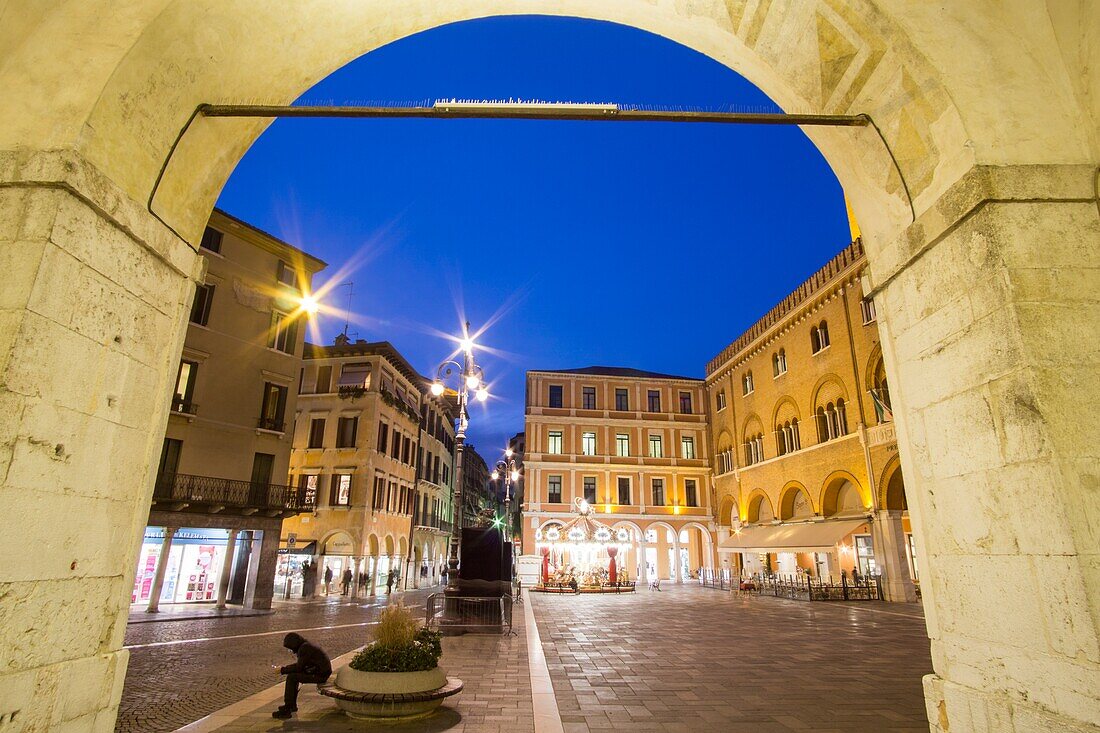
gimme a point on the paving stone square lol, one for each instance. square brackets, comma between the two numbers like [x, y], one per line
[685, 659]
[695, 659]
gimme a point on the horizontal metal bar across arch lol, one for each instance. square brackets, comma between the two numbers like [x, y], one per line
[534, 112]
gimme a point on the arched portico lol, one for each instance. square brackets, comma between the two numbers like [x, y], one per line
[977, 204]
[727, 512]
[795, 502]
[842, 492]
[635, 565]
[759, 507]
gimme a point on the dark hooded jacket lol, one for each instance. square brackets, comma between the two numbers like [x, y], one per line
[311, 660]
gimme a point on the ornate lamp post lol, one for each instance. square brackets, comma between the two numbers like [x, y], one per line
[468, 376]
[506, 470]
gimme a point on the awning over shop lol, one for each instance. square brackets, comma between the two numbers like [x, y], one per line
[795, 537]
[310, 548]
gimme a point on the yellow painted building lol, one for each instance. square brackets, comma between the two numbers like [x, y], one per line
[220, 494]
[356, 436]
[633, 445]
[806, 476]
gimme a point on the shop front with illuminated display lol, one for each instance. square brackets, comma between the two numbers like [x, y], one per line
[194, 565]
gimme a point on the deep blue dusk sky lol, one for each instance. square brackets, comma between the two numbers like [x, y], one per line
[647, 245]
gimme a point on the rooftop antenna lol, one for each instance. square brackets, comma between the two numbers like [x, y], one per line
[347, 310]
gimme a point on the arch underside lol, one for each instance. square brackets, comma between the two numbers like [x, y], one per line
[808, 56]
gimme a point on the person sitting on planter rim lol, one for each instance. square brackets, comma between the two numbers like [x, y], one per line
[313, 665]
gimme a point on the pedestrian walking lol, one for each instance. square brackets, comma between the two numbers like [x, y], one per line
[364, 581]
[346, 582]
[312, 665]
[309, 574]
[328, 580]
[389, 582]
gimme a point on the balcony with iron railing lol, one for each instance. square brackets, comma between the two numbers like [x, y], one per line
[207, 494]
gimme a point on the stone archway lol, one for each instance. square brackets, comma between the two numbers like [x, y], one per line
[978, 208]
[842, 493]
[795, 502]
[759, 508]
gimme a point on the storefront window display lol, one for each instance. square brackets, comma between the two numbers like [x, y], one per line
[865, 555]
[288, 572]
[193, 565]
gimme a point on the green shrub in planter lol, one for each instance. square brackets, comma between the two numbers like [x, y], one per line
[399, 646]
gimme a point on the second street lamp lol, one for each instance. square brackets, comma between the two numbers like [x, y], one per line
[507, 472]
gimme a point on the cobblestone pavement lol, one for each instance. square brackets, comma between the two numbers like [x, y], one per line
[496, 697]
[182, 670]
[694, 659]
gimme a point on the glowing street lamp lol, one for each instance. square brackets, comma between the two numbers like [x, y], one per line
[466, 376]
[309, 304]
[507, 470]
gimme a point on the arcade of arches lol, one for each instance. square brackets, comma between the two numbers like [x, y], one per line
[979, 211]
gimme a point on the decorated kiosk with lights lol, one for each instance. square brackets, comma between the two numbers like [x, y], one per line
[579, 556]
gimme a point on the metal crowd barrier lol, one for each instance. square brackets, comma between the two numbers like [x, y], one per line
[471, 614]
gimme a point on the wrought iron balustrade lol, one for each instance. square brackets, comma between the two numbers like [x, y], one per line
[191, 489]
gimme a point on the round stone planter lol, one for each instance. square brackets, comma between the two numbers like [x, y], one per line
[390, 695]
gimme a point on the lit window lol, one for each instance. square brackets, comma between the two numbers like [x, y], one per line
[588, 444]
[622, 444]
[655, 448]
[687, 448]
[553, 442]
[590, 489]
[307, 485]
[746, 383]
[341, 489]
[720, 400]
[183, 400]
